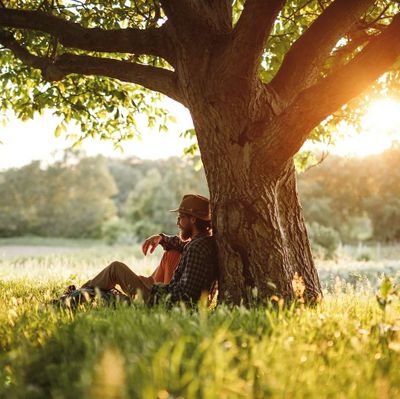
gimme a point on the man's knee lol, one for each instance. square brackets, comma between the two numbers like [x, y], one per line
[116, 270]
[116, 266]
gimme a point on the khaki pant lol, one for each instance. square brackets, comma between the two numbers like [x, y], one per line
[117, 273]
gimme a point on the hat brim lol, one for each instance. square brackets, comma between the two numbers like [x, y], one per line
[205, 218]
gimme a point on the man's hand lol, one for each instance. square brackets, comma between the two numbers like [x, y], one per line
[151, 243]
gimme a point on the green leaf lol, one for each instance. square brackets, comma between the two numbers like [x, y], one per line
[386, 287]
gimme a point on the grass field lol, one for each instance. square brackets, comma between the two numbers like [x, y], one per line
[346, 347]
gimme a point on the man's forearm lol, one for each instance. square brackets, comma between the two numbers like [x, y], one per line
[172, 243]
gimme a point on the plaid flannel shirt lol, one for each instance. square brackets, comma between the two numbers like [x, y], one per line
[197, 269]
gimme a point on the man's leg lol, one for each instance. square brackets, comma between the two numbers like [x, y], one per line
[168, 264]
[121, 274]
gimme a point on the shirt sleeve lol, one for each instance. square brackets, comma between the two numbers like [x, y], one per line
[195, 276]
[172, 243]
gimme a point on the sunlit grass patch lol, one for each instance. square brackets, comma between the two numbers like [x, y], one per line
[346, 347]
[333, 350]
[50, 242]
[75, 267]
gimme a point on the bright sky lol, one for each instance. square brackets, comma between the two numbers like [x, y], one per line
[380, 127]
[23, 142]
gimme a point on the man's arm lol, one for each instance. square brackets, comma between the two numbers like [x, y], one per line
[167, 242]
[172, 243]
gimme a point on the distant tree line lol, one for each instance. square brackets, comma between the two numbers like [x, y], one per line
[69, 198]
[96, 197]
[345, 200]
[357, 198]
[147, 190]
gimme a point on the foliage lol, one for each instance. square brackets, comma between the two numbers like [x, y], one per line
[117, 231]
[356, 197]
[67, 199]
[387, 292]
[323, 239]
[160, 190]
[86, 105]
[120, 200]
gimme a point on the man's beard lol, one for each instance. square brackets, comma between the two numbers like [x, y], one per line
[185, 233]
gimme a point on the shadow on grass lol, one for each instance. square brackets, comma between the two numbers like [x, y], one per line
[136, 352]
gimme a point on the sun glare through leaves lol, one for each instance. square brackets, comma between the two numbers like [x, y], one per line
[380, 129]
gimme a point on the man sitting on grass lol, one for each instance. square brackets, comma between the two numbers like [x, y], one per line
[196, 271]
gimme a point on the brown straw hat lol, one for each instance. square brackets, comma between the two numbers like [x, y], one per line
[195, 205]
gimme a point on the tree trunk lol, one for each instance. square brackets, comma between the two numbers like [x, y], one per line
[262, 239]
[257, 217]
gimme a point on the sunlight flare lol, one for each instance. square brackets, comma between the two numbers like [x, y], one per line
[383, 115]
[380, 127]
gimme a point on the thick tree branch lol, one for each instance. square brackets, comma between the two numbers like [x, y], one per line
[226, 8]
[194, 20]
[151, 41]
[301, 67]
[251, 33]
[152, 78]
[321, 100]
[184, 15]
[218, 13]
[7, 40]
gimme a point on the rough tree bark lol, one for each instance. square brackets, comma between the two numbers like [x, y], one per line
[258, 221]
[248, 131]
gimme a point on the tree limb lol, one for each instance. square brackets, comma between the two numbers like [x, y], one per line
[152, 78]
[218, 13]
[324, 98]
[194, 20]
[182, 14]
[8, 41]
[356, 39]
[251, 32]
[151, 41]
[302, 64]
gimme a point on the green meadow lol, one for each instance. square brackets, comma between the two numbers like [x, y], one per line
[346, 347]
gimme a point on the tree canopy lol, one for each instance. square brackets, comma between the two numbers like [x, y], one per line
[79, 59]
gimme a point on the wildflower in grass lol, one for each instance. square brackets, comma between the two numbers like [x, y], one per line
[387, 292]
[298, 288]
